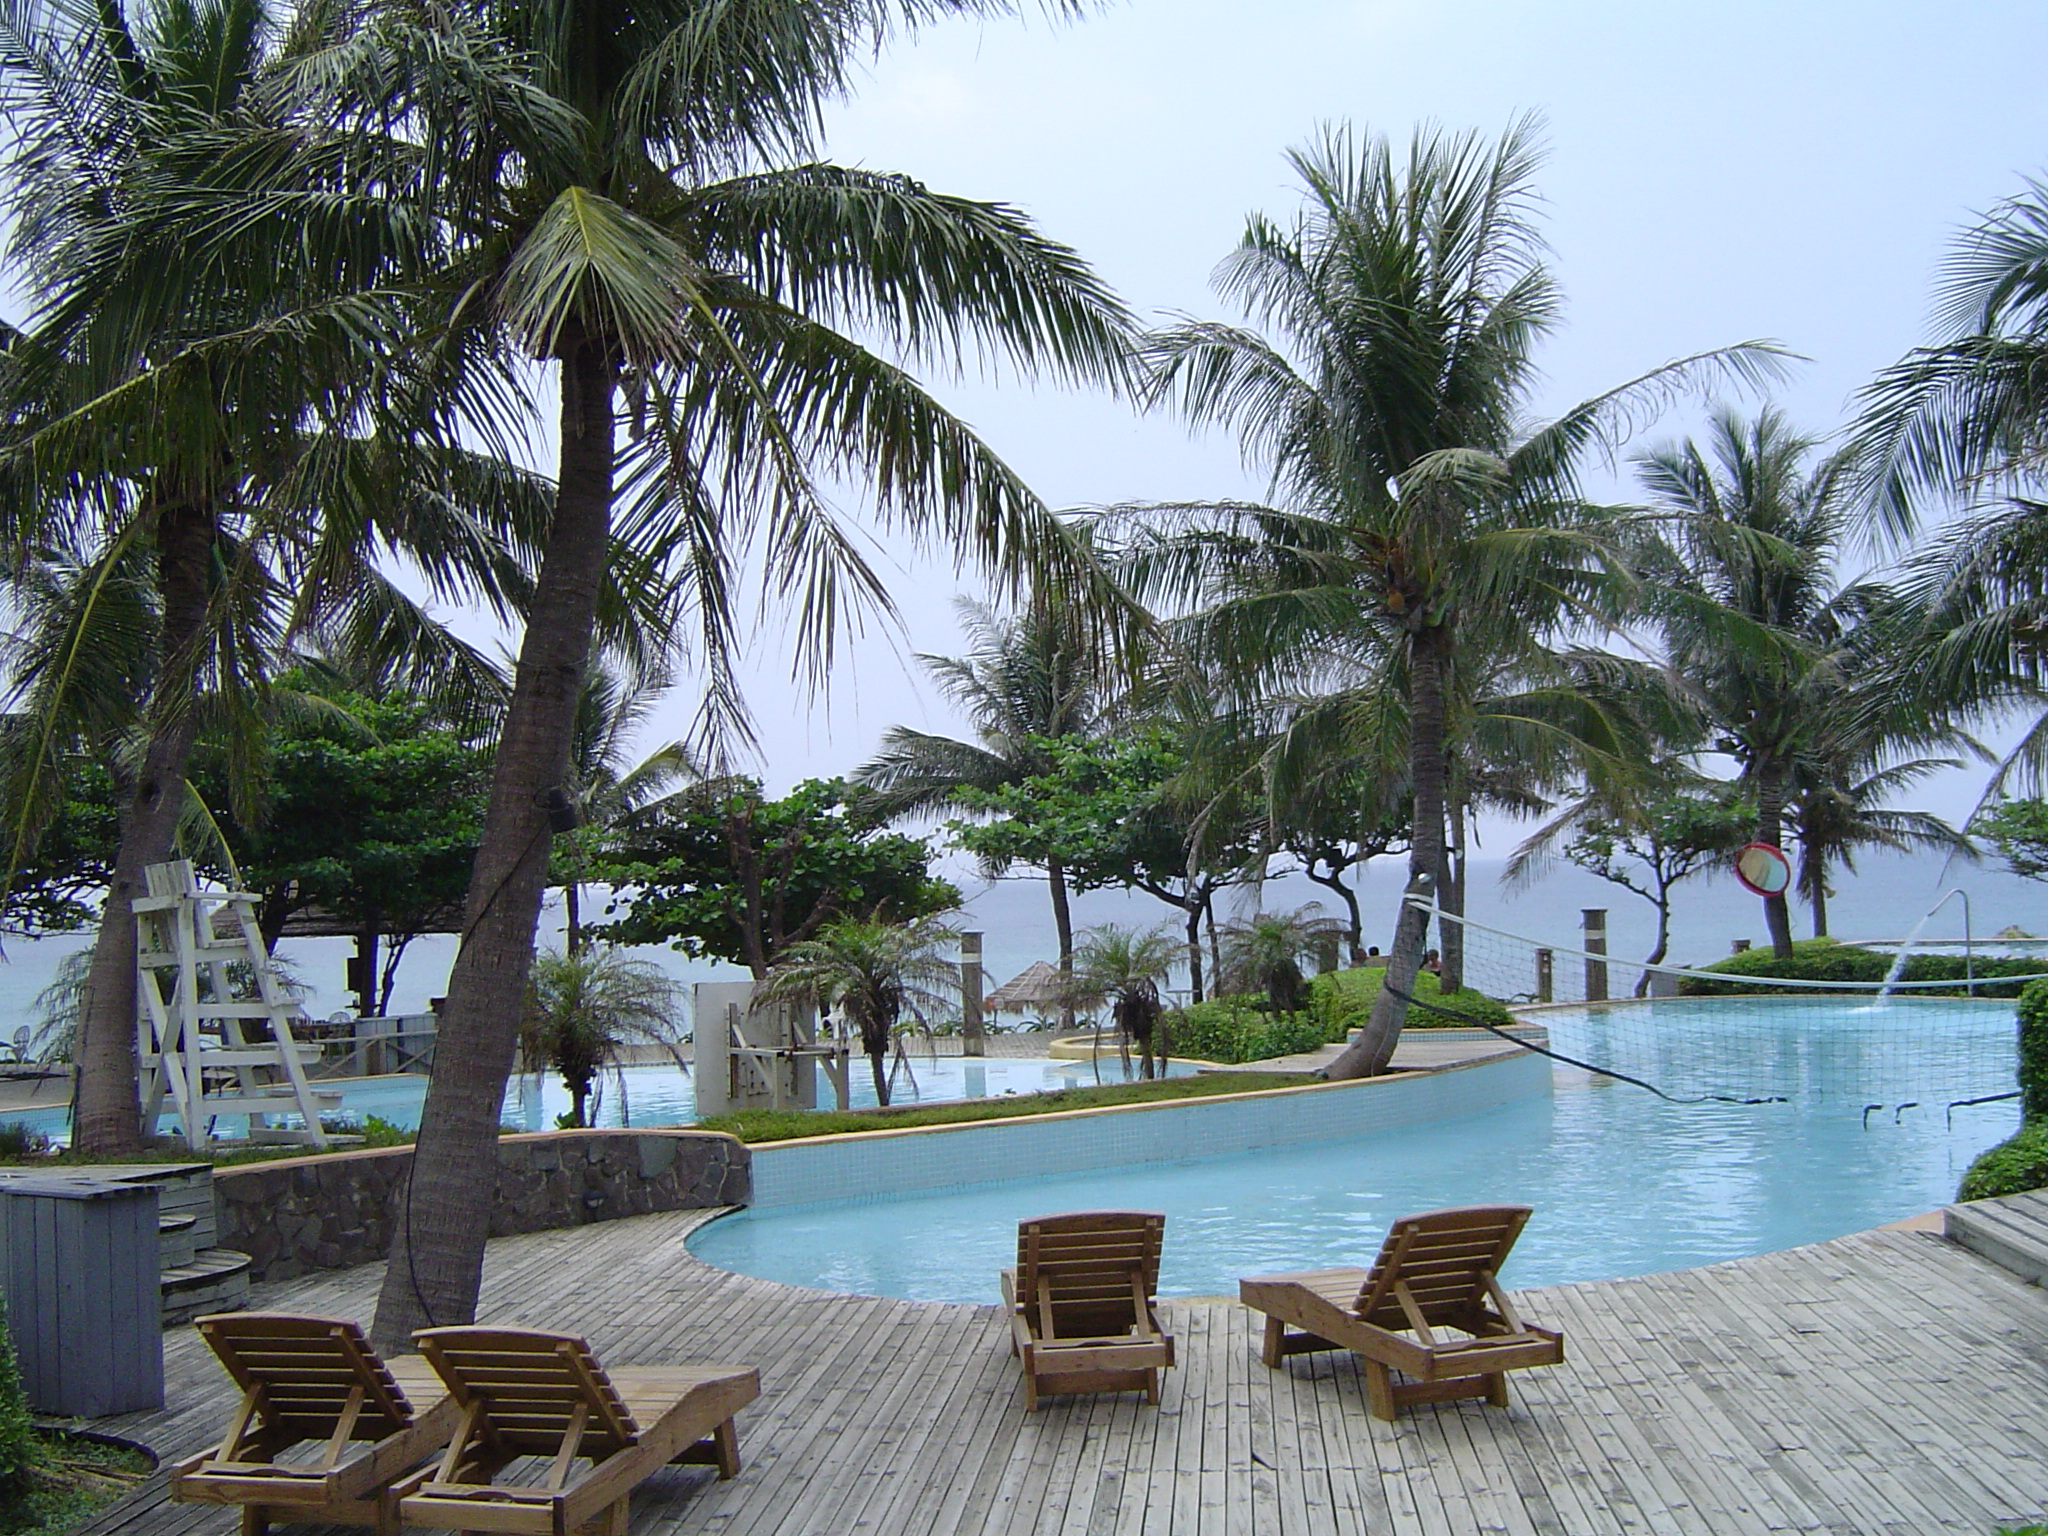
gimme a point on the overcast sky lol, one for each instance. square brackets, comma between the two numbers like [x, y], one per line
[1717, 173]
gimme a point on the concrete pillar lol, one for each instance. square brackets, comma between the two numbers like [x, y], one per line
[1594, 922]
[971, 1038]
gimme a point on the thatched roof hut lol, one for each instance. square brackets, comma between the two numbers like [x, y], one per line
[1034, 990]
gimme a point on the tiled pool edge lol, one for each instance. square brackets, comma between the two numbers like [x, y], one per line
[882, 1164]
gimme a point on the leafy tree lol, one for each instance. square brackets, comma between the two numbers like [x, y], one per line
[872, 972]
[370, 814]
[647, 219]
[2018, 829]
[582, 1009]
[1645, 844]
[719, 870]
[1418, 514]
[1123, 967]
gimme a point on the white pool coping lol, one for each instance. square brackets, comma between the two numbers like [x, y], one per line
[879, 1165]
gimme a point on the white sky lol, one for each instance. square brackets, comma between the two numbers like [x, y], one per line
[1718, 172]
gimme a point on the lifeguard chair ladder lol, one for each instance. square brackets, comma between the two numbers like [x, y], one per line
[214, 1024]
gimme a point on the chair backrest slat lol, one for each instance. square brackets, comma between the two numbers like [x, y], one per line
[1443, 1256]
[306, 1367]
[1081, 1263]
[531, 1384]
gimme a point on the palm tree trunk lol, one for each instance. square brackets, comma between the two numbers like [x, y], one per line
[444, 1211]
[572, 909]
[108, 1113]
[1063, 925]
[1194, 933]
[1429, 654]
[1770, 813]
[1451, 896]
[878, 1068]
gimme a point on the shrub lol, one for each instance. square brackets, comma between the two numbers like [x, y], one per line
[2012, 1167]
[1342, 1000]
[2033, 1073]
[1237, 1029]
[20, 1448]
[1826, 960]
[17, 1141]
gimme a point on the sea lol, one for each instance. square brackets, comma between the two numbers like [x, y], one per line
[1887, 898]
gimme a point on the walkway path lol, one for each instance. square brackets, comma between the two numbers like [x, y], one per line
[1888, 1382]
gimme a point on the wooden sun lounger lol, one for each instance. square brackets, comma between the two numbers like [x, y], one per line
[522, 1393]
[1435, 1271]
[314, 1380]
[1081, 1304]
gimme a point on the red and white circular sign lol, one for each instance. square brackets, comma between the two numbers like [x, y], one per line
[1764, 869]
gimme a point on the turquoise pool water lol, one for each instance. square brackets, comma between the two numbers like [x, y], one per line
[663, 1095]
[1623, 1183]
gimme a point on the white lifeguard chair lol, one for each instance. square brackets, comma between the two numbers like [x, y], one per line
[761, 1055]
[215, 1027]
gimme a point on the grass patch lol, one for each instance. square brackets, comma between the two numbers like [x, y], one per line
[69, 1479]
[757, 1125]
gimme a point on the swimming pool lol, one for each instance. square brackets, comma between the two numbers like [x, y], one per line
[663, 1095]
[1623, 1182]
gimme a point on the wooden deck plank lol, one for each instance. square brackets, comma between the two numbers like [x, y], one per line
[1886, 1382]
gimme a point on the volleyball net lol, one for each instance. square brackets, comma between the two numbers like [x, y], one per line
[1934, 1044]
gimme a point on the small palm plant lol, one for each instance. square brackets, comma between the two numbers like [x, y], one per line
[873, 972]
[1123, 967]
[582, 1010]
[1264, 954]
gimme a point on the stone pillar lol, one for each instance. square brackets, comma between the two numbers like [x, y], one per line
[1546, 989]
[1594, 921]
[971, 1039]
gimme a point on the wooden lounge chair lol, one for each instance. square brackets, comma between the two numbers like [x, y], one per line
[523, 1393]
[1435, 1271]
[314, 1384]
[1080, 1303]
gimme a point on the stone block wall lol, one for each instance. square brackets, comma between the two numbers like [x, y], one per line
[302, 1214]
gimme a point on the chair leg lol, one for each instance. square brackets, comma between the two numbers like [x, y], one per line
[1275, 1353]
[255, 1520]
[1152, 1387]
[1497, 1389]
[1379, 1390]
[725, 1441]
[1030, 1393]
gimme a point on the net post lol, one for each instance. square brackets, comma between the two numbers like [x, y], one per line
[1546, 961]
[1594, 922]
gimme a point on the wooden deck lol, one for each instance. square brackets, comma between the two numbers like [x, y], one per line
[1889, 1382]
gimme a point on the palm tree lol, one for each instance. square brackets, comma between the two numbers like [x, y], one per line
[1794, 674]
[642, 227]
[1421, 516]
[872, 972]
[583, 1009]
[1123, 967]
[208, 402]
[1264, 952]
[1024, 681]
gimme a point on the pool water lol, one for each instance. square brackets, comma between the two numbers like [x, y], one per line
[663, 1095]
[1623, 1182]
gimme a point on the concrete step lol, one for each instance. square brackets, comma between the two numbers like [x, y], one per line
[2012, 1232]
[217, 1280]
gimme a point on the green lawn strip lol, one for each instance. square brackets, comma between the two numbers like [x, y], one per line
[70, 1480]
[758, 1125]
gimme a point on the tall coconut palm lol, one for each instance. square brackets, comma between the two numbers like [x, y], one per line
[1123, 968]
[678, 266]
[207, 401]
[1024, 681]
[1416, 509]
[873, 972]
[1793, 672]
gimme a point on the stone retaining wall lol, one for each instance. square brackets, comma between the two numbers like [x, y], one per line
[303, 1214]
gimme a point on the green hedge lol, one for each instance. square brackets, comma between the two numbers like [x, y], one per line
[1826, 960]
[2033, 1072]
[1343, 1000]
[20, 1450]
[1237, 1029]
[2010, 1168]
